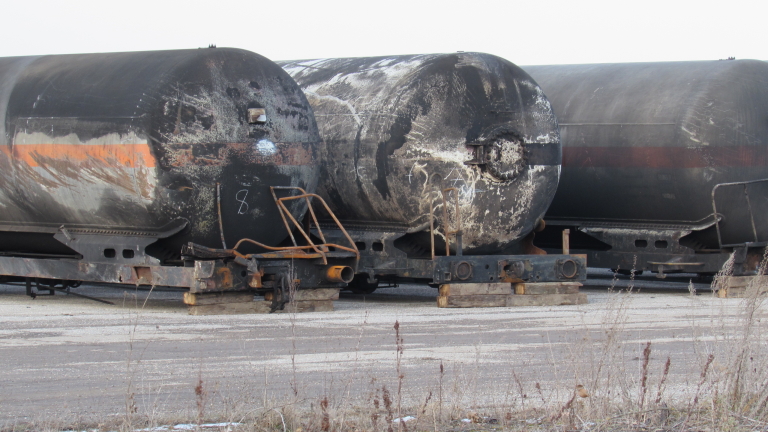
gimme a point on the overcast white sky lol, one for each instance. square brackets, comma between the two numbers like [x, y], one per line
[524, 32]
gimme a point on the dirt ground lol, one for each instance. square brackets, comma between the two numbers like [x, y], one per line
[69, 358]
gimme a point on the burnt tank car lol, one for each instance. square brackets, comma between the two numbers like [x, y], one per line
[398, 130]
[661, 162]
[126, 159]
[439, 154]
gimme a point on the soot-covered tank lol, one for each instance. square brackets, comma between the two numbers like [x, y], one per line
[399, 130]
[180, 146]
[644, 147]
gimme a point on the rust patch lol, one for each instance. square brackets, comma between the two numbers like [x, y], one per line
[142, 275]
[223, 277]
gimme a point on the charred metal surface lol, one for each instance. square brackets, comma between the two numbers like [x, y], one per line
[135, 141]
[400, 129]
[111, 163]
[384, 258]
[509, 268]
[657, 250]
[647, 142]
[644, 145]
[111, 246]
[195, 277]
[199, 277]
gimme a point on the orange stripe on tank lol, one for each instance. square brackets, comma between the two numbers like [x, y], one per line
[127, 155]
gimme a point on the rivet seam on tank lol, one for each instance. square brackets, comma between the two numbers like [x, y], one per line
[257, 115]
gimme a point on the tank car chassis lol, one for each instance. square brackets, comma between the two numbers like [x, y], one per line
[737, 224]
[382, 260]
[113, 256]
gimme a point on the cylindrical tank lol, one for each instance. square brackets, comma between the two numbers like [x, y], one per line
[645, 143]
[399, 130]
[146, 140]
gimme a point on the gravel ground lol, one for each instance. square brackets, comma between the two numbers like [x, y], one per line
[71, 358]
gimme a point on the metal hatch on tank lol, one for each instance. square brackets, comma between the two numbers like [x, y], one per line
[134, 160]
[661, 163]
[437, 154]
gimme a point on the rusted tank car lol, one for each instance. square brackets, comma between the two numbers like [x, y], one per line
[148, 159]
[648, 149]
[401, 129]
[434, 155]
